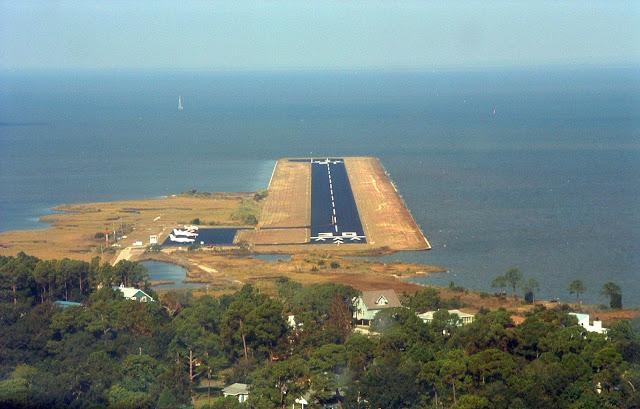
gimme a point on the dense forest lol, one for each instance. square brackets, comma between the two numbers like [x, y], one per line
[117, 353]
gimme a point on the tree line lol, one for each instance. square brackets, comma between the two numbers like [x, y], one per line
[116, 353]
[514, 279]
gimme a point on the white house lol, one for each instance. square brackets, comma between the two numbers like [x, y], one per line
[464, 317]
[132, 293]
[369, 303]
[583, 321]
[239, 390]
[304, 401]
[293, 324]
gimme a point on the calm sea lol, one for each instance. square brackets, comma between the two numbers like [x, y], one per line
[537, 169]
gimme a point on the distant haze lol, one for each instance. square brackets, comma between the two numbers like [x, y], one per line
[316, 35]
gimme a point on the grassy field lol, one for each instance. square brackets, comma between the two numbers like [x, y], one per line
[76, 231]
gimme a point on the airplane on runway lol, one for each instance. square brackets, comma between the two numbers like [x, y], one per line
[180, 239]
[187, 233]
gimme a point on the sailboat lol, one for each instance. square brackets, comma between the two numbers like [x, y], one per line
[180, 107]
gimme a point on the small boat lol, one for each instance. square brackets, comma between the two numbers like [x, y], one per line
[180, 107]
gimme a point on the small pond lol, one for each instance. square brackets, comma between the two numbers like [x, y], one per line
[272, 257]
[161, 271]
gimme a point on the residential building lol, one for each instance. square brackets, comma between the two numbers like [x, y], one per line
[583, 321]
[304, 401]
[66, 304]
[132, 293]
[464, 317]
[369, 303]
[238, 390]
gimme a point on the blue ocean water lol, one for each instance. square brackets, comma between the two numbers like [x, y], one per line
[537, 169]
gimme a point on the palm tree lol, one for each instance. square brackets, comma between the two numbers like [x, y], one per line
[613, 291]
[577, 287]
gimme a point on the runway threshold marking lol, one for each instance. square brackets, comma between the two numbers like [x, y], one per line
[352, 236]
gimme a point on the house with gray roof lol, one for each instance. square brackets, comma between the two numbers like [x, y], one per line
[238, 390]
[369, 303]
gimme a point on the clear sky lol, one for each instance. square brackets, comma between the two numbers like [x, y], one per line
[264, 35]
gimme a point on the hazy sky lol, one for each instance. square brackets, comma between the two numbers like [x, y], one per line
[316, 35]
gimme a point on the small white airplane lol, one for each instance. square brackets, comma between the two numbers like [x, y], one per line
[187, 233]
[180, 239]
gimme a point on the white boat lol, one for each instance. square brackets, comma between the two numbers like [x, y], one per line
[187, 233]
[180, 239]
[180, 107]
[191, 227]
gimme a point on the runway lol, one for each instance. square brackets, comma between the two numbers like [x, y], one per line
[334, 214]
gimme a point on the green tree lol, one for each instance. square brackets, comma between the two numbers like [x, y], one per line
[472, 402]
[513, 277]
[425, 299]
[577, 287]
[490, 365]
[452, 370]
[122, 398]
[252, 325]
[499, 282]
[280, 382]
[360, 354]
[391, 383]
[614, 293]
[530, 287]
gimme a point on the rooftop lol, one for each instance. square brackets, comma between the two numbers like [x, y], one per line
[67, 304]
[380, 299]
[236, 389]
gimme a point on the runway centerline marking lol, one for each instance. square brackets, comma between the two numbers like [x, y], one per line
[345, 201]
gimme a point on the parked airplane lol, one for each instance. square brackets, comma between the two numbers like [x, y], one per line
[180, 239]
[187, 233]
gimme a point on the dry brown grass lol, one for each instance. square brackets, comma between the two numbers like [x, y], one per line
[274, 236]
[229, 272]
[288, 203]
[386, 220]
[71, 233]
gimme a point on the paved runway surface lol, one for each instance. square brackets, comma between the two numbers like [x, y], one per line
[209, 237]
[334, 215]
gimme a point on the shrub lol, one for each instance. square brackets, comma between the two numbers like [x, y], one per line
[335, 264]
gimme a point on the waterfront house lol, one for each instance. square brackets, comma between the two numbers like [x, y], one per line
[369, 303]
[132, 293]
[238, 390]
[583, 321]
[465, 318]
